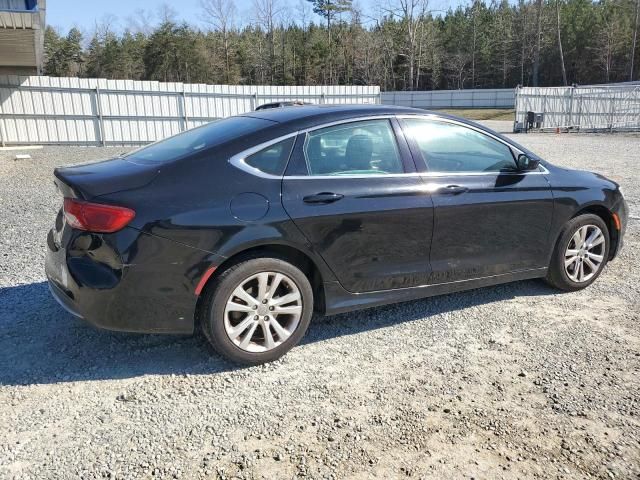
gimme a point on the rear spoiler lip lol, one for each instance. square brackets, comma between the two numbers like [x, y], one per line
[67, 190]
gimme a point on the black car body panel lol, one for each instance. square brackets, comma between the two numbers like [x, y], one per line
[98, 178]
[575, 191]
[367, 250]
[516, 212]
[387, 239]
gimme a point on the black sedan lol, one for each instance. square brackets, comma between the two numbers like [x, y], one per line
[245, 226]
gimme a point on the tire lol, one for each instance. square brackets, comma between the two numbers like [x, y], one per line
[224, 314]
[568, 278]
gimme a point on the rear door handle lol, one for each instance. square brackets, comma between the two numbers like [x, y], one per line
[452, 190]
[323, 198]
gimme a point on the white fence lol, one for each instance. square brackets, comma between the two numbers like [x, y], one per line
[590, 108]
[75, 111]
[478, 98]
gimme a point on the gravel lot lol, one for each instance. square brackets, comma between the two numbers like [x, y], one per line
[515, 381]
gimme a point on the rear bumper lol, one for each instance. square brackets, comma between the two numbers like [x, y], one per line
[146, 298]
[63, 299]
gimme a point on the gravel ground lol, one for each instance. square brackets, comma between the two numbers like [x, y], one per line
[514, 381]
[502, 126]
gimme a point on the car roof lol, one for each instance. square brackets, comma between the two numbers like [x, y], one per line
[309, 115]
[292, 103]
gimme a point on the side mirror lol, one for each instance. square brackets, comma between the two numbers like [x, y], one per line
[526, 163]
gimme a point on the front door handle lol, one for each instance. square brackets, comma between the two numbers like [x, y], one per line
[452, 190]
[323, 198]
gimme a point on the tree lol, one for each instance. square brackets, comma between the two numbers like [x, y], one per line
[411, 14]
[267, 14]
[474, 36]
[140, 22]
[635, 39]
[303, 15]
[63, 56]
[536, 54]
[131, 58]
[52, 47]
[175, 53]
[399, 45]
[328, 9]
[221, 15]
[564, 72]
[503, 28]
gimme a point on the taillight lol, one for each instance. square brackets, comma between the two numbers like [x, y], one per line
[96, 217]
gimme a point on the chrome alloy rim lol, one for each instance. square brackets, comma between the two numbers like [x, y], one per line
[263, 311]
[584, 253]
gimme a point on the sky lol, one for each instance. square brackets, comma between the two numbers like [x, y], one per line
[65, 14]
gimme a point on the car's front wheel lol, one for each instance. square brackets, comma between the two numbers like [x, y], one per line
[257, 310]
[581, 253]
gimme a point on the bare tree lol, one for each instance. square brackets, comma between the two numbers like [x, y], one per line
[564, 71]
[635, 39]
[605, 50]
[474, 41]
[457, 66]
[303, 13]
[429, 52]
[140, 22]
[267, 14]
[167, 13]
[536, 52]
[411, 14]
[221, 15]
[523, 39]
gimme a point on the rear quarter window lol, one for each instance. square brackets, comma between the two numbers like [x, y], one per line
[272, 159]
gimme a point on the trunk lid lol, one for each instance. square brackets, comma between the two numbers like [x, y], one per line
[90, 180]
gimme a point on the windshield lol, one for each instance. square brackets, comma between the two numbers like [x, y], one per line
[200, 138]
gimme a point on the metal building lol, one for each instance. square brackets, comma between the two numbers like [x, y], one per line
[22, 24]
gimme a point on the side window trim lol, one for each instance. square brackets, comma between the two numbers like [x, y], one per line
[416, 154]
[238, 160]
[461, 124]
[406, 155]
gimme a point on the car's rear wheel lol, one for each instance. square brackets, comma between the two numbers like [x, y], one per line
[581, 253]
[257, 310]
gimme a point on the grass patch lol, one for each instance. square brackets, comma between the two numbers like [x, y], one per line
[481, 113]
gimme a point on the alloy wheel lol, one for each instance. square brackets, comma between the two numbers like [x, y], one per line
[263, 311]
[584, 253]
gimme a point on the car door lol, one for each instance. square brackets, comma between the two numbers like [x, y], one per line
[490, 218]
[352, 189]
